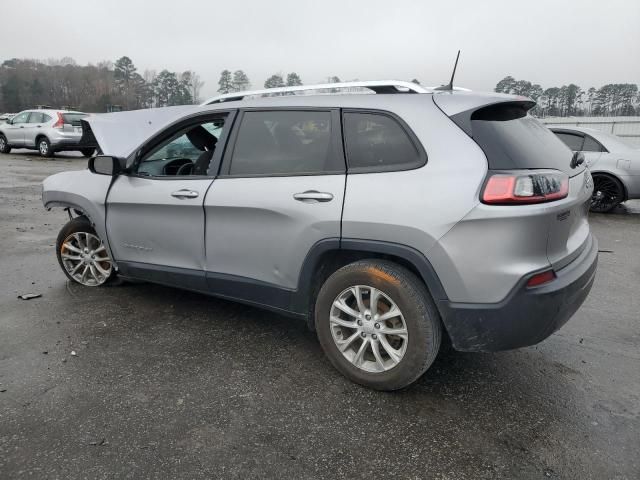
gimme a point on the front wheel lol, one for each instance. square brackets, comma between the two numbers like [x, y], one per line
[4, 146]
[82, 255]
[377, 324]
[607, 194]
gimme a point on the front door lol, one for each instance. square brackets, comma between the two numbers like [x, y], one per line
[15, 131]
[280, 191]
[155, 216]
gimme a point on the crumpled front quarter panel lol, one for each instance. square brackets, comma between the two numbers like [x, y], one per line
[81, 190]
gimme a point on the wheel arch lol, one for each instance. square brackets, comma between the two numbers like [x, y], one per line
[40, 136]
[328, 255]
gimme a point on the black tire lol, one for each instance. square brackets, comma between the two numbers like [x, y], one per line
[44, 147]
[608, 193]
[87, 152]
[4, 146]
[417, 307]
[78, 225]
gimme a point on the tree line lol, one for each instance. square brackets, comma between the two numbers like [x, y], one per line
[613, 99]
[108, 85]
[116, 85]
[239, 81]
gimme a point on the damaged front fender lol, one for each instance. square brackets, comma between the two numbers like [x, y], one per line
[82, 191]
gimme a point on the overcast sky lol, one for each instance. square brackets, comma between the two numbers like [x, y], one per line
[550, 42]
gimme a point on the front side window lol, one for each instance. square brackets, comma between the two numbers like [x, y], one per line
[20, 118]
[574, 142]
[377, 142]
[187, 152]
[284, 143]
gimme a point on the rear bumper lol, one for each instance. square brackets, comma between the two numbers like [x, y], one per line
[527, 315]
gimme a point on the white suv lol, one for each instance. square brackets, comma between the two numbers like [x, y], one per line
[47, 131]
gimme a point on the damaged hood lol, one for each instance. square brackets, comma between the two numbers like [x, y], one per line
[120, 133]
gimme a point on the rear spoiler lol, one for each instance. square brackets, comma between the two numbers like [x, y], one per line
[460, 107]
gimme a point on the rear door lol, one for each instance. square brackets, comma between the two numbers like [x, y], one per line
[280, 192]
[155, 217]
[15, 131]
[32, 128]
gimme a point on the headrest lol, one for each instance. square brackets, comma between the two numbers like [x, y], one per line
[201, 138]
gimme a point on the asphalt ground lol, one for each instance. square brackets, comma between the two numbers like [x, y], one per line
[171, 384]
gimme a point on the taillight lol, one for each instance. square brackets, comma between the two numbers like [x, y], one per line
[524, 188]
[541, 278]
[60, 122]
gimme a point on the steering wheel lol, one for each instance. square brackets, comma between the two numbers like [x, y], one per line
[185, 169]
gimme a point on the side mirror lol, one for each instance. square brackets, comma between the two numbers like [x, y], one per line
[106, 165]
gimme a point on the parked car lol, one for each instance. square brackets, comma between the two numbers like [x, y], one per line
[614, 165]
[384, 220]
[47, 131]
[5, 117]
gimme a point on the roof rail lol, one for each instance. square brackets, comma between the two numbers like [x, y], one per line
[376, 86]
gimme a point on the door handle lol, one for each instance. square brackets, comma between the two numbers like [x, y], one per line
[185, 193]
[313, 196]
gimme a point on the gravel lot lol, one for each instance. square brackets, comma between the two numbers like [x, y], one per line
[171, 384]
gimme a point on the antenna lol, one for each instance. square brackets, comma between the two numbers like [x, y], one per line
[453, 74]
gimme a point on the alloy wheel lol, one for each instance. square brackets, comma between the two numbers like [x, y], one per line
[368, 328]
[606, 194]
[85, 259]
[43, 147]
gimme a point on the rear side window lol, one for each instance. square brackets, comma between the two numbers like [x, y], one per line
[377, 142]
[285, 143]
[512, 139]
[590, 145]
[574, 142]
[73, 118]
[46, 118]
[36, 117]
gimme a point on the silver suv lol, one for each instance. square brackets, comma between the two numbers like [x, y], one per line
[47, 131]
[387, 221]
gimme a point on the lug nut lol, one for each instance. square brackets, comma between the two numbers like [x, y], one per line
[377, 325]
[367, 316]
[360, 322]
[374, 336]
[363, 334]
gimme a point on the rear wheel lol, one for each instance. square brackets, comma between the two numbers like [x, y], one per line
[44, 147]
[377, 324]
[82, 255]
[608, 193]
[4, 146]
[87, 152]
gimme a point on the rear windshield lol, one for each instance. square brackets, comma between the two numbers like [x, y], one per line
[73, 118]
[512, 139]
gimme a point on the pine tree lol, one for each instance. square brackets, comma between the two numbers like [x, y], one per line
[225, 84]
[240, 81]
[293, 79]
